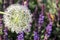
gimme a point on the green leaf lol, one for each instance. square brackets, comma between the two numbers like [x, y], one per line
[42, 36]
[0, 1]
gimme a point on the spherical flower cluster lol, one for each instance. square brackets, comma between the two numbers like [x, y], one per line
[17, 18]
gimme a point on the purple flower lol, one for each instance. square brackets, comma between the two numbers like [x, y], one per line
[5, 34]
[20, 36]
[41, 19]
[48, 30]
[41, 16]
[36, 36]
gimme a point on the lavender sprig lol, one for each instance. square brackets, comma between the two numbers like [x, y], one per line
[20, 36]
[5, 36]
[41, 17]
[41, 20]
[35, 18]
[36, 35]
[48, 31]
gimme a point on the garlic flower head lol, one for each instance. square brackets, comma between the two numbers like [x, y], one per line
[17, 18]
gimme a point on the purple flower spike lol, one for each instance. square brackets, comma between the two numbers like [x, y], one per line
[41, 19]
[20, 36]
[5, 34]
[48, 30]
[36, 36]
[41, 16]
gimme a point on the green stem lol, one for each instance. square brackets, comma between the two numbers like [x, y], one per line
[1, 12]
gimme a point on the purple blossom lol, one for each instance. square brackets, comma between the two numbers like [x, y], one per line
[35, 18]
[20, 36]
[41, 19]
[5, 36]
[36, 35]
[48, 30]
[41, 16]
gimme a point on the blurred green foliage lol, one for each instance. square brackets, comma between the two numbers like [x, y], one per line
[0, 1]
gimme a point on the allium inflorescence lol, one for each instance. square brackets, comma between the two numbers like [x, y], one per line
[17, 18]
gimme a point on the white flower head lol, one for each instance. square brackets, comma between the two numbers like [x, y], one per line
[17, 18]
